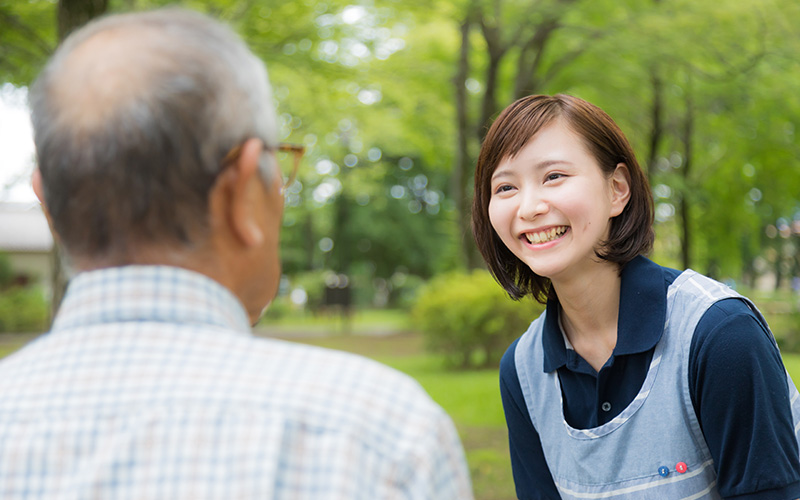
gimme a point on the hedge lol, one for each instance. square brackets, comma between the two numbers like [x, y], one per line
[469, 319]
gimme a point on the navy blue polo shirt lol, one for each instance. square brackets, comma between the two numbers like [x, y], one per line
[734, 375]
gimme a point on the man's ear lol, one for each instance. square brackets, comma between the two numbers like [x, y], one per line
[235, 196]
[38, 190]
[620, 184]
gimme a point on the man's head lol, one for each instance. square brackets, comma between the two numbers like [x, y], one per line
[132, 118]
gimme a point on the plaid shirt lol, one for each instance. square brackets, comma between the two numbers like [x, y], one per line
[152, 386]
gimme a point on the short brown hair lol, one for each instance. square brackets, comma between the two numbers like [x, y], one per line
[631, 232]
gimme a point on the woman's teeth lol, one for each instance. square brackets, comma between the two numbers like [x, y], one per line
[545, 236]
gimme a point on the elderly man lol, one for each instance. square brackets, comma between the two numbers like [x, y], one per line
[156, 136]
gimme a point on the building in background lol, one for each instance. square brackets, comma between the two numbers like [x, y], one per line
[26, 240]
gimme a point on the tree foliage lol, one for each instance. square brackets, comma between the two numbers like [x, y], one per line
[392, 100]
[27, 37]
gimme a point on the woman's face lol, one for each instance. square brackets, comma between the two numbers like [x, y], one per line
[551, 205]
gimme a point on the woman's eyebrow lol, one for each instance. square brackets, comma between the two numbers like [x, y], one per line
[499, 173]
[549, 163]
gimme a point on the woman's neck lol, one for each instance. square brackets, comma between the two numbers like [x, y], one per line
[589, 312]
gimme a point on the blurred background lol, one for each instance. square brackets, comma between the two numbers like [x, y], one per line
[392, 99]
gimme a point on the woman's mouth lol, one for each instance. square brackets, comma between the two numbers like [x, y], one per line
[547, 235]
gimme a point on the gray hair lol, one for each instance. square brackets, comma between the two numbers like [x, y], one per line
[132, 117]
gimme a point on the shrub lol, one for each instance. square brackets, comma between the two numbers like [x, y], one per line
[313, 282]
[405, 288]
[23, 309]
[786, 328]
[469, 318]
[280, 307]
[6, 272]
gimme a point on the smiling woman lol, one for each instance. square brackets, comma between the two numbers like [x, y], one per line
[554, 187]
[563, 212]
[16, 145]
[523, 137]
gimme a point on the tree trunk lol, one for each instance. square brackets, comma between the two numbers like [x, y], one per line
[461, 165]
[489, 106]
[342, 246]
[685, 233]
[795, 272]
[73, 14]
[748, 265]
[657, 123]
[685, 207]
[310, 240]
[779, 256]
[656, 113]
[530, 58]
[495, 50]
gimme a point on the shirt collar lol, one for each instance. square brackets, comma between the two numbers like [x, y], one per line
[642, 313]
[149, 293]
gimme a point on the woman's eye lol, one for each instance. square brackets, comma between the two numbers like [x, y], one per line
[502, 189]
[553, 177]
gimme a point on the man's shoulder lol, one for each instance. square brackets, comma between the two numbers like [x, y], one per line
[330, 392]
[204, 349]
[296, 371]
[332, 367]
[209, 370]
[349, 380]
[293, 403]
[357, 379]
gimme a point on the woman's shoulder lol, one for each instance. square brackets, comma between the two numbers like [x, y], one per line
[508, 364]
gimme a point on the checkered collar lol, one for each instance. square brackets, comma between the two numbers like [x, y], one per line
[149, 293]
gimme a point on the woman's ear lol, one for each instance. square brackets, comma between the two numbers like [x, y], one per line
[620, 185]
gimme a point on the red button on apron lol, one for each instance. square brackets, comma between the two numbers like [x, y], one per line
[680, 467]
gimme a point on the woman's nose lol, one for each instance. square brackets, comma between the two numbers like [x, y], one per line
[532, 206]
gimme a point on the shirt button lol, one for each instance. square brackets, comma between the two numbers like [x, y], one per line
[681, 467]
[663, 471]
[606, 406]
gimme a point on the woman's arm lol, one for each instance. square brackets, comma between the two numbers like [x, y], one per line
[531, 476]
[739, 391]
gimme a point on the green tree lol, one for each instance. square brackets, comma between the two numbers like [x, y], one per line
[392, 100]
[27, 37]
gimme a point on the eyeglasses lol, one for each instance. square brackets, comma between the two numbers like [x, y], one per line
[288, 171]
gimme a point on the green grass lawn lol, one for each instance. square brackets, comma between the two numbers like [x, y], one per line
[361, 321]
[792, 363]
